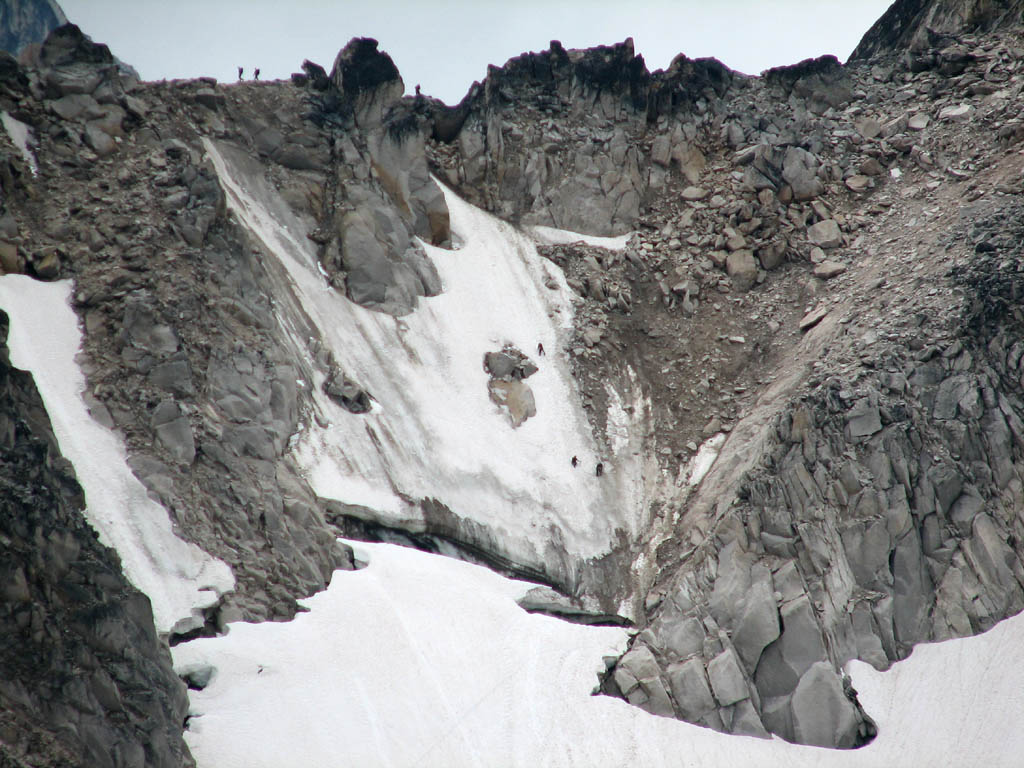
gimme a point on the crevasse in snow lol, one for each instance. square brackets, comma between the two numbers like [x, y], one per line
[179, 578]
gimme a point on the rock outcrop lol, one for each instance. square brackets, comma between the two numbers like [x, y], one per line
[27, 22]
[551, 137]
[910, 27]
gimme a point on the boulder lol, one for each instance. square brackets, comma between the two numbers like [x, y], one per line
[742, 268]
[173, 432]
[515, 397]
[825, 234]
[509, 364]
[99, 142]
[144, 331]
[758, 625]
[638, 677]
[864, 418]
[799, 647]
[690, 689]
[829, 269]
[727, 679]
[822, 714]
[956, 113]
[800, 171]
[76, 105]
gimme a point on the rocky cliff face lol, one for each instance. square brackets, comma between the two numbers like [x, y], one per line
[913, 26]
[823, 283]
[27, 22]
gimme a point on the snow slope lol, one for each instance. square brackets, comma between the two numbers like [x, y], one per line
[433, 432]
[179, 578]
[420, 660]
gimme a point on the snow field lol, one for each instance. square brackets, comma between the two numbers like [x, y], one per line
[420, 660]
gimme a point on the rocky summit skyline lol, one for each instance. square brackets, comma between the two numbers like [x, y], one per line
[603, 418]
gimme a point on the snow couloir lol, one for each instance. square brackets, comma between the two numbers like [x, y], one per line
[433, 438]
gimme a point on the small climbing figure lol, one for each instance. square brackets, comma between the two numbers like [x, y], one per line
[417, 89]
[240, 73]
[256, 74]
[600, 469]
[575, 461]
[540, 349]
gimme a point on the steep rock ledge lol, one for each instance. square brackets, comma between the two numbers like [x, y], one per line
[911, 26]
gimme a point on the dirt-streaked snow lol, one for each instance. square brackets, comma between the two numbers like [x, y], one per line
[551, 236]
[420, 660]
[179, 577]
[434, 433]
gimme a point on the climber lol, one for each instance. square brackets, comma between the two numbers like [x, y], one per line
[417, 90]
[256, 74]
[540, 349]
[600, 469]
[575, 461]
[240, 71]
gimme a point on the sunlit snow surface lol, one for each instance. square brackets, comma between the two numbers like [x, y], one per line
[434, 433]
[420, 660]
[44, 339]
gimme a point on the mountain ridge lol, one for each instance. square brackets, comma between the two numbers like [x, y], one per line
[868, 403]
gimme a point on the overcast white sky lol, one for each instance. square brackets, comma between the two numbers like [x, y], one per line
[444, 45]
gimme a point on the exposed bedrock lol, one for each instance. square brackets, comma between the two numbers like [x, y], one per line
[881, 513]
[26, 23]
[551, 137]
[912, 27]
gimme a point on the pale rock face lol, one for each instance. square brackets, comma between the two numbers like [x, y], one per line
[25, 22]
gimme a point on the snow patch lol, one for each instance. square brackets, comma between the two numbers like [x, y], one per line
[21, 136]
[705, 457]
[179, 578]
[552, 236]
[420, 660]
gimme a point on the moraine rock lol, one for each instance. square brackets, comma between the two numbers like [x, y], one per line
[957, 113]
[829, 269]
[825, 234]
[742, 268]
